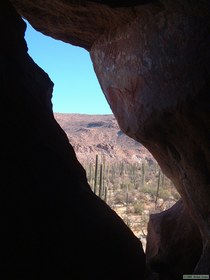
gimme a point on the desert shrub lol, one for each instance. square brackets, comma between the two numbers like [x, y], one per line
[119, 197]
[126, 185]
[164, 194]
[150, 189]
[138, 208]
[175, 194]
[167, 193]
[130, 209]
[132, 197]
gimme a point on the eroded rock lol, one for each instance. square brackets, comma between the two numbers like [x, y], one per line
[174, 244]
[155, 75]
[152, 63]
[77, 22]
[52, 225]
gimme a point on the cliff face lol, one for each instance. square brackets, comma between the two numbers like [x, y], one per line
[152, 61]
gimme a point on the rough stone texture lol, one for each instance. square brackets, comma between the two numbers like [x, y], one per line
[52, 226]
[152, 62]
[174, 244]
[155, 75]
[76, 22]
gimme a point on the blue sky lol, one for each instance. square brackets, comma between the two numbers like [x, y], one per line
[76, 88]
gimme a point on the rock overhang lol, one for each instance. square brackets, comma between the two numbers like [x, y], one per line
[177, 132]
[79, 23]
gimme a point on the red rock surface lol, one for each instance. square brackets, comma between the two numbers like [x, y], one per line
[78, 23]
[154, 73]
[152, 62]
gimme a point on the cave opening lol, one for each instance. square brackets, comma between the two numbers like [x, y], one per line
[49, 213]
[119, 170]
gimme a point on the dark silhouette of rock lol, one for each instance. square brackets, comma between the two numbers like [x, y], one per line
[152, 62]
[52, 224]
[174, 244]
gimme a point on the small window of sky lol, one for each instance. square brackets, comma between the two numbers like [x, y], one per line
[76, 88]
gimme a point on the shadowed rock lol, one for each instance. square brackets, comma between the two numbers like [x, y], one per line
[152, 62]
[80, 23]
[174, 244]
[52, 225]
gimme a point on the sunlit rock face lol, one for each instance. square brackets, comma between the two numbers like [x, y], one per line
[52, 225]
[155, 75]
[152, 62]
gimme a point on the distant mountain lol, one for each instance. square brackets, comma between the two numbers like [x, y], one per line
[100, 134]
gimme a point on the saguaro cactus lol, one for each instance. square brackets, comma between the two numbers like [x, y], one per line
[158, 187]
[96, 174]
[105, 194]
[100, 193]
[143, 174]
[90, 174]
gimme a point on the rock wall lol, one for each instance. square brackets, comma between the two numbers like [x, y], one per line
[155, 75]
[152, 62]
[174, 244]
[52, 225]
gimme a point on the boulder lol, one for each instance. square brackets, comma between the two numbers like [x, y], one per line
[174, 244]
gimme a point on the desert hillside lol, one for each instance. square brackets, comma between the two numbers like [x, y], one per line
[100, 134]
